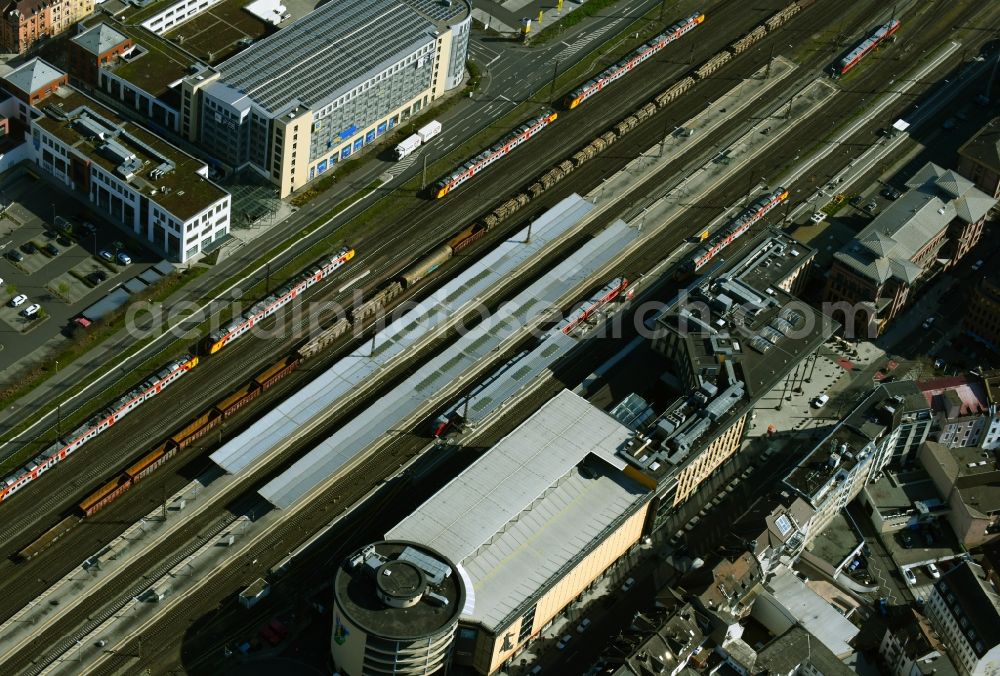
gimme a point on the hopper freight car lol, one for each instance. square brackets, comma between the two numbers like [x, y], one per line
[186, 435]
[625, 66]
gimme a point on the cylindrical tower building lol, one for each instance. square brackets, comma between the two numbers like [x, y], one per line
[395, 610]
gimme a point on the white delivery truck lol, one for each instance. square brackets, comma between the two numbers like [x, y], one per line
[423, 135]
[407, 146]
[429, 131]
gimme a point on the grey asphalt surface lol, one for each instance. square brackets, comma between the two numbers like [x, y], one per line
[511, 73]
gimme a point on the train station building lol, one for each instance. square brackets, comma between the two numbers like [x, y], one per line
[533, 524]
[321, 89]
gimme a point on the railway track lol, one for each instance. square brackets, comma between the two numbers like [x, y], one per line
[431, 221]
[721, 191]
[178, 620]
[92, 465]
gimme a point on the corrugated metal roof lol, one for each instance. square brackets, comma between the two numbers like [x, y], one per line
[339, 380]
[330, 457]
[524, 510]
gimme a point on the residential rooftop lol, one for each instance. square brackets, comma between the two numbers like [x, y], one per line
[787, 654]
[725, 584]
[972, 598]
[668, 643]
[155, 168]
[955, 396]
[975, 473]
[816, 615]
[897, 494]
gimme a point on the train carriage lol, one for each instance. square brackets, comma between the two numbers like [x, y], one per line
[626, 65]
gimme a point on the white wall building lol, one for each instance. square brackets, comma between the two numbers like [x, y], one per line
[152, 189]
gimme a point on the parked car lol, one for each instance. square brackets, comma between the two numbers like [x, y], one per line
[871, 207]
[89, 227]
[51, 249]
[933, 570]
[31, 310]
[820, 401]
[564, 641]
[929, 322]
[891, 193]
[18, 300]
[907, 540]
[911, 578]
[97, 276]
[15, 255]
[629, 583]
[883, 606]
[64, 241]
[818, 217]
[124, 258]
[106, 255]
[978, 264]
[856, 200]
[29, 248]
[584, 625]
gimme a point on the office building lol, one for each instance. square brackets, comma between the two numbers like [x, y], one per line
[290, 106]
[135, 179]
[979, 158]
[929, 228]
[729, 340]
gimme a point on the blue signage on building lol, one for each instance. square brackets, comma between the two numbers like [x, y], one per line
[321, 167]
[380, 130]
[349, 132]
[370, 136]
[345, 152]
[357, 144]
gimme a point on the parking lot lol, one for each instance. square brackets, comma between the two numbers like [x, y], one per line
[48, 256]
